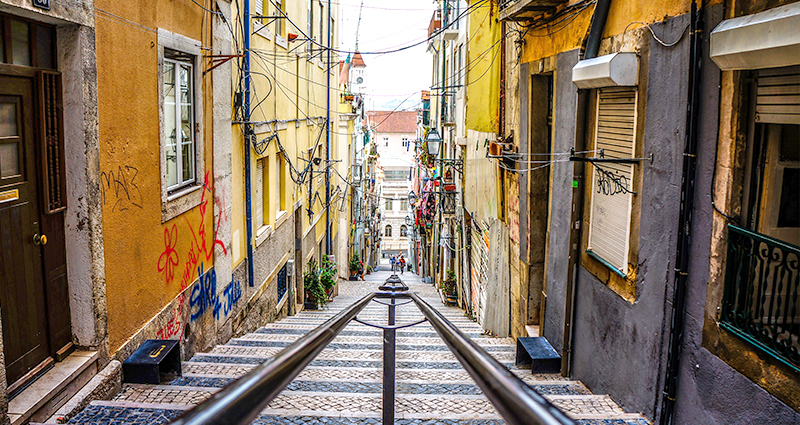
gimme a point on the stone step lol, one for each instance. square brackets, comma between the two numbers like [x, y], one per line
[359, 354]
[223, 370]
[366, 331]
[376, 338]
[334, 363]
[366, 344]
[313, 403]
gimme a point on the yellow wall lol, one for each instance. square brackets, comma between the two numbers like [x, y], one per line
[548, 41]
[288, 87]
[130, 155]
[483, 74]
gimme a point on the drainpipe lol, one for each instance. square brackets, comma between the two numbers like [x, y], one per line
[247, 136]
[328, 139]
[576, 218]
[682, 251]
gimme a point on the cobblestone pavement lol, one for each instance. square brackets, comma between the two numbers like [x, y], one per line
[343, 386]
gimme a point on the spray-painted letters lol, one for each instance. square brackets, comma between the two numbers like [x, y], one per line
[204, 296]
[120, 188]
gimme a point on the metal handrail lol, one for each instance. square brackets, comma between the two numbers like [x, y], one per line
[515, 400]
[242, 401]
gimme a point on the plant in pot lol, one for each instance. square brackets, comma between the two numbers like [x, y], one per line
[315, 293]
[449, 287]
[369, 269]
[327, 276]
[354, 266]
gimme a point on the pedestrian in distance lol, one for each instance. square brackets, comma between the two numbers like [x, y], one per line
[394, 263]
[361, 270]
[402, 264]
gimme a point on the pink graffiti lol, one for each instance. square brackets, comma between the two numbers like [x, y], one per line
[174, 326]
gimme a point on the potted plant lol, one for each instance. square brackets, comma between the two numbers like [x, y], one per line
[315, 293]
[369, 269]
[448, 288]
[355, 266]
[327, 277]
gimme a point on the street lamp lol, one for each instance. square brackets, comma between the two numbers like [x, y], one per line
[434, 142]
[409, 222]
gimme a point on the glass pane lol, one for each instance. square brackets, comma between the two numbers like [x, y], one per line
[169, 82]
[8, 119]
[44, 47]
[9, 160]
[789, 214]
[188, 162]
[20, 43]
[185, 89]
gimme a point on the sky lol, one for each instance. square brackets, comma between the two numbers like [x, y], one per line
[394, 77]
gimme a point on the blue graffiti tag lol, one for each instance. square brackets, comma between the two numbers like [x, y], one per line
[204, 296]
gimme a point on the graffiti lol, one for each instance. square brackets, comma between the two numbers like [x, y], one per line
[611, 183]
[169, 258]
[513, 208]
[174, 326]
[203, 206]
[204, 296]
[120, 187]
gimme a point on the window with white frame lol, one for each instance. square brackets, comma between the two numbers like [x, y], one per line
[261, 216]
[279, 21]
[388, 231]
[403, 230]
[311, 36]
[385, 141]
[612, 184]
[388, 206]
[279, 175]
[179, 107]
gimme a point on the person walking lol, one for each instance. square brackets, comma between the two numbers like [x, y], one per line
[394, 263]
[402, 264]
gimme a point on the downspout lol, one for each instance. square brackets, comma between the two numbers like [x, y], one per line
[247, 137]
[576, 218]
[682, 252]
[328, 139]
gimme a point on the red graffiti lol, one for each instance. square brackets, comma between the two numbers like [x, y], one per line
[202, 229]
[169, 258]
[174, 326]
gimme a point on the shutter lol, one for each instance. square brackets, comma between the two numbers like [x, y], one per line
[51, 129]
[258, 220]
[259, 7]
[610, 216]
[778, 99]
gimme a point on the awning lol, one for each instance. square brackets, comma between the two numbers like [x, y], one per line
[616, 69]
[763, 40]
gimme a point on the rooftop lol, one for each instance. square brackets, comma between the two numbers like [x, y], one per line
[393, 121]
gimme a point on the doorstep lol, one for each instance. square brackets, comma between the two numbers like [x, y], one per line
[45, 395]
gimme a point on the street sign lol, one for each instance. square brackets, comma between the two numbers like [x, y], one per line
[42, 4]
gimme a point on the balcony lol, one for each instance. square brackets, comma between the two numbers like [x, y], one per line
[526, 10]
[761, 303]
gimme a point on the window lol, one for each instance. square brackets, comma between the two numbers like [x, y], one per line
[405, 142]
[309, 45]
[612, 184]
[280, 202]
[404, 205]
[388, 231]
[26, 43]
[279, 21]
[388, 206]
[179, 119]
[259, 217]
[385, 141]
[403, 230]
[258, 9]
[321, 24]
[396, 175]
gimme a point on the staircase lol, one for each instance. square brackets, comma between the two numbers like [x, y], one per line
[343, 384]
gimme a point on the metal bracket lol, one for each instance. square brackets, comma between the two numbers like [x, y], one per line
[407, 325]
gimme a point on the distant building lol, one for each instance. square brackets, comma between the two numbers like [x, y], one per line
[395, 137]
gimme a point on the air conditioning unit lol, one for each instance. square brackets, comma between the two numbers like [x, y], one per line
[289, 268]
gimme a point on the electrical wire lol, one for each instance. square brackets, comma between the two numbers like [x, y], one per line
[683, 33]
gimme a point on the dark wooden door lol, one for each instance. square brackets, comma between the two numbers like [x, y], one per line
[22, 295]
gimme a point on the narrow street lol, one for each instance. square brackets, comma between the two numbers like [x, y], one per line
[343, 385]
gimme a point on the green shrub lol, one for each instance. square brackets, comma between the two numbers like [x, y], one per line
[327, 274]
[312, 284]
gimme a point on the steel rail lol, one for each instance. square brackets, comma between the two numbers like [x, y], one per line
[515, 400]
[242, 401]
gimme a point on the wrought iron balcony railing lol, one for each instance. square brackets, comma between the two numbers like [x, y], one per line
[761, 302]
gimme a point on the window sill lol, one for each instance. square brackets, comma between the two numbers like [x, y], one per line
[178, 202]
[280, 41]
[605, 263]
[281, 218]
[262, 31]
[181, 192]
[263, 233]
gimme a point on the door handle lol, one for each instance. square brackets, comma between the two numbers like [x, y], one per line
[39, 239]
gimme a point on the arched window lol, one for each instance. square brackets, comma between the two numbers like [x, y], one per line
[388, 231]
[403, 230]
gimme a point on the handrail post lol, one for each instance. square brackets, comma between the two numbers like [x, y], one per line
[389, 339]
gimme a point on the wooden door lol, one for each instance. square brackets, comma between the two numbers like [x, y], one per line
[22, 291]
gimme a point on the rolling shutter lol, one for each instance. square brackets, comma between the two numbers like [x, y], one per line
[778, 99]
[610, 216]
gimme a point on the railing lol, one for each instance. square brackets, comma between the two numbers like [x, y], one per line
[761, 302]
[242, 401]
